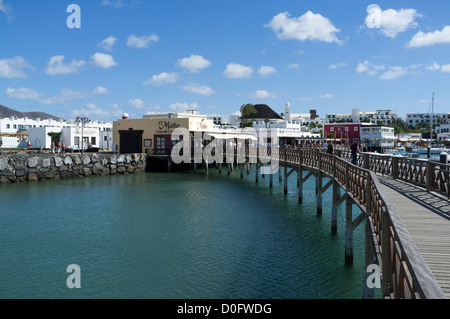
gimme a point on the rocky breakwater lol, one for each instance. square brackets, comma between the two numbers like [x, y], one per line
[15, 168]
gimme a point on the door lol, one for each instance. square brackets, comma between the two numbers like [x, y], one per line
[162, 144]
[130, 142]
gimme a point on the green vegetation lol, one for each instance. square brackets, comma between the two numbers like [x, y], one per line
[246, 110]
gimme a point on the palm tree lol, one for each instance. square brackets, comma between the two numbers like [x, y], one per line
[246, 110]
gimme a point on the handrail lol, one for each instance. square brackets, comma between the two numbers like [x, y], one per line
[404, 272]
[431, 175]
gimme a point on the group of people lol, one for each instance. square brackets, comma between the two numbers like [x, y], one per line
[60, 149]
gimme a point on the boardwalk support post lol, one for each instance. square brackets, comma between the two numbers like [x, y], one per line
[348, 232]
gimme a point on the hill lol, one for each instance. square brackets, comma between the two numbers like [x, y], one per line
[6, 112]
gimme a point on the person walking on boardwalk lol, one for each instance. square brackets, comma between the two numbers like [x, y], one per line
[330, 148]
[355, 150]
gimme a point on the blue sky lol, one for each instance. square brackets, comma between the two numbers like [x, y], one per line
[140, 56]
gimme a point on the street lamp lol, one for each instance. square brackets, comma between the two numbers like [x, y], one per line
[82, 121]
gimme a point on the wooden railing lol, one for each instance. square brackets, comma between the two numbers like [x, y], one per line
[432, 176]
[404, 272]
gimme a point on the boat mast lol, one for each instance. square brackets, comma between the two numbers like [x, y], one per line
[432, 119]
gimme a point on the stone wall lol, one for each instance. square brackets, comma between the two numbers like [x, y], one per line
[15, 168]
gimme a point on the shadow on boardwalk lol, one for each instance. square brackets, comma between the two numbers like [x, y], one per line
[432, 201]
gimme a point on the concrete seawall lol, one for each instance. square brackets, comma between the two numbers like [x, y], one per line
[16, 168]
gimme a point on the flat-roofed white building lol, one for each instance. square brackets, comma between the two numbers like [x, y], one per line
[377, 138]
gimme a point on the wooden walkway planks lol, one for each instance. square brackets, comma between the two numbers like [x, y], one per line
[426, 215]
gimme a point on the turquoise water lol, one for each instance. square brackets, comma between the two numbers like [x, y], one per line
[173, 236]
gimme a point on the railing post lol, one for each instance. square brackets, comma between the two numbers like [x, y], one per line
[366, 161]
[394, 167]
[430, 176]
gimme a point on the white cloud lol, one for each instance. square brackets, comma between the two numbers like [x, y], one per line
[103, 60]
[292, 66]
[309, 26]
[306, 99]
[112, 3]
[56, 66]
[237, 71]
[142, 41]
[92, 110]
[194, 63]
[108, 43]
[266, 70]
[445, 68]
[262, 94]
[199, 89]
[391, 22]
[6, 9]
[434, 67]
[183, 107]
[327, 96]
[99, 90]
[160, 79]
[66, 95]
[137, 104]
[422, 39]
[369, 68]
[14, 68]
[335, 66]
[394, 72]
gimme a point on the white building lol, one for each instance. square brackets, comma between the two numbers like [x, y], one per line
[39, 138]
[304, 118]
[376, 138]
[73, 135]
[386, 116]
[414, 119]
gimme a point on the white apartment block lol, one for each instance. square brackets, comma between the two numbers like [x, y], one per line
[414, 119]
[386, 116]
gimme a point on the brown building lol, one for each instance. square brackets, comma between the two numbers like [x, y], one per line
[153, 133]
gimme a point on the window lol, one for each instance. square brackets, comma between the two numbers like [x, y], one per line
[8, 126]
[93, 141]
[356, 129]
[346, 128]
[331, 129]
[76, 140]
[14, 126]
[105, 138]
[148, 143]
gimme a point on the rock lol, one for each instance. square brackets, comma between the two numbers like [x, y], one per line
[68, 161]
[86, 159]
[76, 160]
[3, 163]
[33, 177]
[46, 163]
[130, 169]
[49, 175]
[87, 172]
[33, 162]
[94, 158]
[58, 161]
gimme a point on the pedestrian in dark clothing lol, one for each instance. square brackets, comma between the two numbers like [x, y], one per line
[355, 150]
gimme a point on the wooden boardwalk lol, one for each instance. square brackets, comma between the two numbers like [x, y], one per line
[426, 216]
